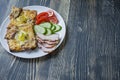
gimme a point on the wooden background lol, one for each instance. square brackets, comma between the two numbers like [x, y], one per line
[90, 51]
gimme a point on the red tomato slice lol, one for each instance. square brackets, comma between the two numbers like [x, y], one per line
[53, 19]
[42, 14]
[42, 19]
[48, 16]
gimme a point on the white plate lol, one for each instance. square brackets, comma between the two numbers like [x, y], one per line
[32, 53]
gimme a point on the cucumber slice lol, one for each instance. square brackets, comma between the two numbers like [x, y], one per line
[46, 25]
[58, 28]
[53, 28]
[36, 28]
[39, 29]
[49, 32]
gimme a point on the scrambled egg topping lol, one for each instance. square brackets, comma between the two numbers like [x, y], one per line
[21, 37]
[19, 20]
[22, 19]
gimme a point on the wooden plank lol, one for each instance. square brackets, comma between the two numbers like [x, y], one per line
[50, 69]
[97, 40]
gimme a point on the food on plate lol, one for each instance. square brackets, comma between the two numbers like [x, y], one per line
[23, 39]
[47, 36]
[25, 17]
[45, 49]
[27, 30]
[47, 28]
[48, 16]
[47, 42]
[20, 33]
[52, 37]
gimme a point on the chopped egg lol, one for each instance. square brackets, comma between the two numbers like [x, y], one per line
[21, 37]
[21, 19]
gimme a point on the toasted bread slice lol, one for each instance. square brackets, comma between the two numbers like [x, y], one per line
[24, 39]
[20, 34]
[25, 17]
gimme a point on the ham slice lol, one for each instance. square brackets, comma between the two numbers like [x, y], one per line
[39, 39]
[47, 42]
[52, 37]
[49, 45]
[51, 42]
[47, 50]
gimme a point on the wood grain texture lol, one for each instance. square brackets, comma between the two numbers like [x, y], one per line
[90, 51]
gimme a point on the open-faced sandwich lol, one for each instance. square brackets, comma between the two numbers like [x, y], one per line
[20, 34]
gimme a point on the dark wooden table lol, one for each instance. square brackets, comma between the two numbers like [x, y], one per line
[90, 51]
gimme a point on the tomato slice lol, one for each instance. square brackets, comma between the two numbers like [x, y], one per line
[42, 14]
[48, 16]
[53, 19]
[42, 19]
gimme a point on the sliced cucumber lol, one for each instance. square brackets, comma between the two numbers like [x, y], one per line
[39, 29]
[47, 28]
[36, 28]
[53, 28]
[57, 28]
[46, 25]
[49, 32]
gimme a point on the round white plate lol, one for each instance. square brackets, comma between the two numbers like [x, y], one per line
[31, 53]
